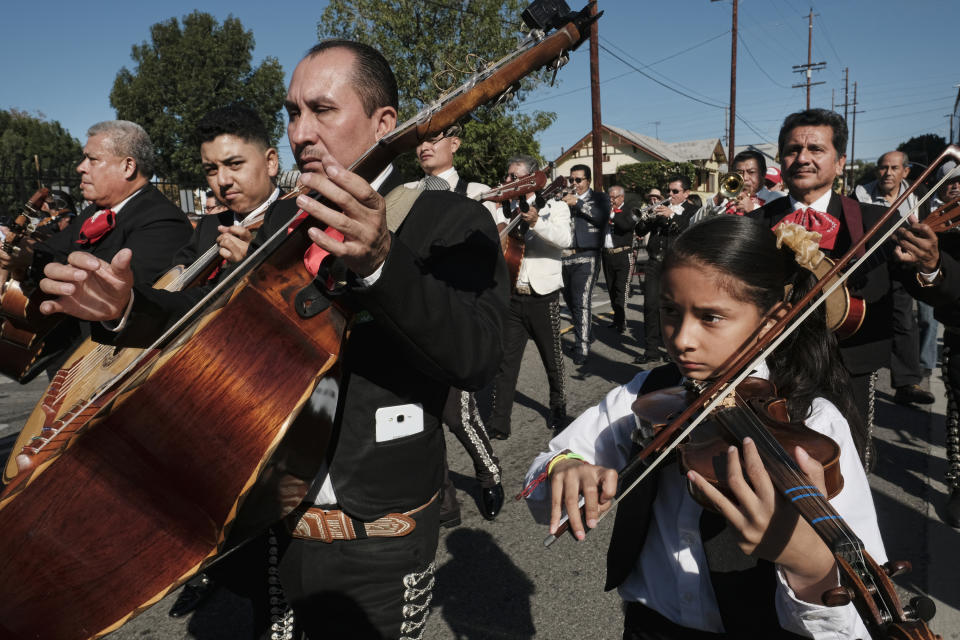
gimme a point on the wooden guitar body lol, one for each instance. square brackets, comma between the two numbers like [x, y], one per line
[513, 249]
[160, 475]
[196, 445]
[86, 371]
[23, 332]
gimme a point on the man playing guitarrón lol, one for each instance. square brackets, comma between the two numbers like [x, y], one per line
[399, 360]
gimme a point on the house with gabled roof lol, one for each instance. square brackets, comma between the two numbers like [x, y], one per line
[622, 146]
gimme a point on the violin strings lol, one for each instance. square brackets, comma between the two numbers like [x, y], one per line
[827, 518]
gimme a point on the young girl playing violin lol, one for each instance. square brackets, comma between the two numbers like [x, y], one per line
[684, 572]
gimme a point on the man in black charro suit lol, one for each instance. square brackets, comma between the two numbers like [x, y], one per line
[663, 224]
[125, 211]
[432, 295]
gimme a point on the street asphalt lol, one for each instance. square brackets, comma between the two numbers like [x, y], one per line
[495, 580]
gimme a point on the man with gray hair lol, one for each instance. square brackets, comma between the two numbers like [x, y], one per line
[906, 372]
[534, 302]
[125, 211]
[616, 258]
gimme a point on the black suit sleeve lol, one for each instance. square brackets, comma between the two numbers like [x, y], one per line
[442, 293]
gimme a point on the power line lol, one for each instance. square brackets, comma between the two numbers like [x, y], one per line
[678, 91]
[762, 70]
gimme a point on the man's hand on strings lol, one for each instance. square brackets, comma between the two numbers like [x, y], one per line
[571, 479]
[917, 245]
[234, 242]
[360, 215]
[87, 287]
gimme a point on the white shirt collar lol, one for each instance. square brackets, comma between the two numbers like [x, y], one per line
[259, 209]
[116, 208]
[820, 204]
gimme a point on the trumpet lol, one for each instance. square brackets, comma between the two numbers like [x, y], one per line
[731, 184]
[644, 213]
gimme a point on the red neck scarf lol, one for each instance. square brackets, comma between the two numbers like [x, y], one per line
[97, 226]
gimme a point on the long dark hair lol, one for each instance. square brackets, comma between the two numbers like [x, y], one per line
[807, 364]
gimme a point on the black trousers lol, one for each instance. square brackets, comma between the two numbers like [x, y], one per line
[652, 341]
[369, 589]
[616, 271]
[643, 623]
[579, 275]
[951, 376]
[377, 588]
[530, 316]
[461, 415]
[905, 368]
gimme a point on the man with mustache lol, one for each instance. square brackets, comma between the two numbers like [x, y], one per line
[431, 295]
[812, 147]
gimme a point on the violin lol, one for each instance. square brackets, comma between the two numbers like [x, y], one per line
[863, 581]
[705, 450]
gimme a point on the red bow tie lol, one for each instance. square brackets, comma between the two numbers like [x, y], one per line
[812, 220]
[97, 226]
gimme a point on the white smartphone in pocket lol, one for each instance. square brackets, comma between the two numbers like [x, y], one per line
[397, 422]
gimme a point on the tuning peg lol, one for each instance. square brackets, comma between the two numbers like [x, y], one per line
[559, 62]
[837, 597]
[897, 567]
[921, 607]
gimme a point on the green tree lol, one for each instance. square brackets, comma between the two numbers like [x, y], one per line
[23, 136]
[433, 46]
[923, 149]
[640, 177]
[186, 71]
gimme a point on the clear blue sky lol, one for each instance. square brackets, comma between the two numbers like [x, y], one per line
[60, 59]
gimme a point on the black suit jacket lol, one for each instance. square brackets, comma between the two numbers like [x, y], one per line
[621, 228]
[869, 348]
[432, 320]
[204, 236]
[589, 219]
[149, 224]
[663, 230]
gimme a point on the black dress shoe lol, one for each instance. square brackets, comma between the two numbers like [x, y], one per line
[616, 327]
[913, 394]
[558, 420]
[192, 594]
[643, 358]
[491, 501]
[579, 359]
[952, 512]
[493, 434]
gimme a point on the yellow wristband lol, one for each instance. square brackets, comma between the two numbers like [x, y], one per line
[565, 455]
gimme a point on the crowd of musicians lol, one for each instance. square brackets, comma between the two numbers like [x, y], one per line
[441, 316]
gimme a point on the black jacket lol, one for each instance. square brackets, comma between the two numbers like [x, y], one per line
[432, 320]
[589, 218]
[869, 348]
[664, 230]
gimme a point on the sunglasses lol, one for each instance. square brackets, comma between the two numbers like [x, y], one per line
[675, 191]
[571, 180]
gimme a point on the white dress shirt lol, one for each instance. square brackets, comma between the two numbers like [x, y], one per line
[671, 574]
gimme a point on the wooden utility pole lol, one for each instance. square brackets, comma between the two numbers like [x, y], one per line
[853, 135]
[597, 138]
[810, 66]
[733, 87]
